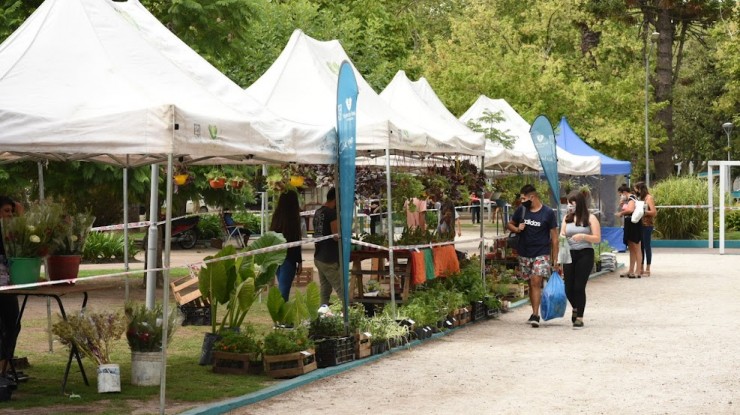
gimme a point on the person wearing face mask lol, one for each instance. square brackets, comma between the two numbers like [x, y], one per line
[537, 226]
[582, 230]
[632, 231]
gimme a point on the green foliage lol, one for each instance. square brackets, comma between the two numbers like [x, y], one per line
[732, 220]
[144, 331]
[295, 311]
[469, 281]
[327, 326]
[249, 219]
[237, 282]
[485, 124]
[284, 341]
[107, 246]
[244, 341]
[405, 186]
[676, 223]
[384, 328]
[209, 226]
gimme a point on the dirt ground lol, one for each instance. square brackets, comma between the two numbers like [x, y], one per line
[658, 345]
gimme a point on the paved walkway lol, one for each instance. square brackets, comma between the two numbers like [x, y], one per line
[659, 345]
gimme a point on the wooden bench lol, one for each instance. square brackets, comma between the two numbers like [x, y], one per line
[195, 308]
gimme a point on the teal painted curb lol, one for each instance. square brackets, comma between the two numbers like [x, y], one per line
[222, 407]
[691, 243]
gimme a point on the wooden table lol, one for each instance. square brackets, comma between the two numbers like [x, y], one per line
[56, 292]
[401, 267]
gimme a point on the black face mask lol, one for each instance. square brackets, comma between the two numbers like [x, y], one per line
[527, 204]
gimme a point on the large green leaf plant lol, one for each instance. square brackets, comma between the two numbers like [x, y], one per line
[295, 311]
[236, 283]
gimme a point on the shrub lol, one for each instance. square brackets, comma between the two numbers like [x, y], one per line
[681, 223]
[104, 246]
[209, 226]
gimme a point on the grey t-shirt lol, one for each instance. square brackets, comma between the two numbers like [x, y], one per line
[572, 229]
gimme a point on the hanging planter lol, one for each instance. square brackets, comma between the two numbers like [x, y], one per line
[297, 181]
[218, 183]
[236, 184]
[181, 179]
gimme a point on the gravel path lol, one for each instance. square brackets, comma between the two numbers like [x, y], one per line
[659, 345]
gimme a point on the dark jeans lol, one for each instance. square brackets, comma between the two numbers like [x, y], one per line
[285, 277]
[475, 212]
[576, 277]
[647, 250]
[9, 327]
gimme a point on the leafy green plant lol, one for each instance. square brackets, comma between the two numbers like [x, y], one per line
[674, 223]
[385, 329]
[250, 220]
[283, 341]
[237, 282]
[327, 326]
[295, 311]
[244, 341]
[405, 186]
[144, 331]
[105, 246]
[209, 226]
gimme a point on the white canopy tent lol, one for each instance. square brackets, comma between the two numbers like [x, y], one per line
[514, 125]
[106, 79]
[301, 84]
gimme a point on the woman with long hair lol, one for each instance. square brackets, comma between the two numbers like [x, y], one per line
[287, 220]
[582, 230]
[648, 224]
[632, 231]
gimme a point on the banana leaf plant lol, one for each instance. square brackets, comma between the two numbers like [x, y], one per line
[236, 283]
[298, 309]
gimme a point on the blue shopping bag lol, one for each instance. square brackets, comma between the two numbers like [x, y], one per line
[553, 298]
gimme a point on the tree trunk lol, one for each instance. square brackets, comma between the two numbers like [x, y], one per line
[663, 89]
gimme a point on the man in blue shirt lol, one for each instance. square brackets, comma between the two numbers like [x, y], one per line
[537, 226]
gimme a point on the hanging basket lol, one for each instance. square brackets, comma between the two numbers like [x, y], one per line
[236, 184]
[181, 179]
[297, 181]
[217, 183]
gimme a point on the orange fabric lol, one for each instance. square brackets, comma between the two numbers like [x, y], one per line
[418, 271]
[445, 260]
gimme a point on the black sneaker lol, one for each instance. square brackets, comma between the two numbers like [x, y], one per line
[578, 324]
[573, 316]
[534, 320]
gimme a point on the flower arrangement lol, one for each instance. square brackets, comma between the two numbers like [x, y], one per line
[144, 331]
[71, 233]
[91, 332]
[244, 341]
[31, 235]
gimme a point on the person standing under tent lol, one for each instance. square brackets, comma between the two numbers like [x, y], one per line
[648, 225]
[287, 220]
[537, 226]
[326, 255]
[632, 231]
[582, 230]
[474, 207]
[9, 310]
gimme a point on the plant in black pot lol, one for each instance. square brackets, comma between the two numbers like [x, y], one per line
[236, 283]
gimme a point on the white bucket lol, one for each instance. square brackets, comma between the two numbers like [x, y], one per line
[146, 368]
[109, 378]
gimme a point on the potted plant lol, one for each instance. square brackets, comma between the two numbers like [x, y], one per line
[236, 283]
[69, 239]
[92, 333]
[238, 352]
[216, 179]
[144, 333]
[27, 239]
[237, 182]
[181, 175]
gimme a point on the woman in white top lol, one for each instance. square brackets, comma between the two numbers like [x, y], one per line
[582, 230]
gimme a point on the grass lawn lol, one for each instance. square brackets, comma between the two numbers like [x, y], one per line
[188, 384]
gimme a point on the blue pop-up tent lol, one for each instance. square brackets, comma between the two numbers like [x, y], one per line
[570, 141]
[611, 169]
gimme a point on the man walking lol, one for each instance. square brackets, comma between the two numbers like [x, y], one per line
[326, 255]
[537, 227]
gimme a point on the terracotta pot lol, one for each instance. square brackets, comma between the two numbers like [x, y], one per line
[236, 184]
[218, 183]
[63, 267]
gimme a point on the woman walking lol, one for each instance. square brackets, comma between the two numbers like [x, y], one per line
[287, 221]
[648, 224]
[632, 231]
[582, 230]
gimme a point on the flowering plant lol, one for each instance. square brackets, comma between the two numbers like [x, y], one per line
[244, 341]
[91, 332]
[71, 232]
[30, 235]
[144, 330]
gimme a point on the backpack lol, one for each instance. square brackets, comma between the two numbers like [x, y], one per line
[639, 211]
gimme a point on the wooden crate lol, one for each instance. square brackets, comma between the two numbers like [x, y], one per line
[362, 345]
[304, 278]
[236, 363]
[290, 365]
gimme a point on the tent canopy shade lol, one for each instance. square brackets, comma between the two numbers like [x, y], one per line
[569, 140]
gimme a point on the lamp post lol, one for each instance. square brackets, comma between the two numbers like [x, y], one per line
[728, 129]
[653, 38]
